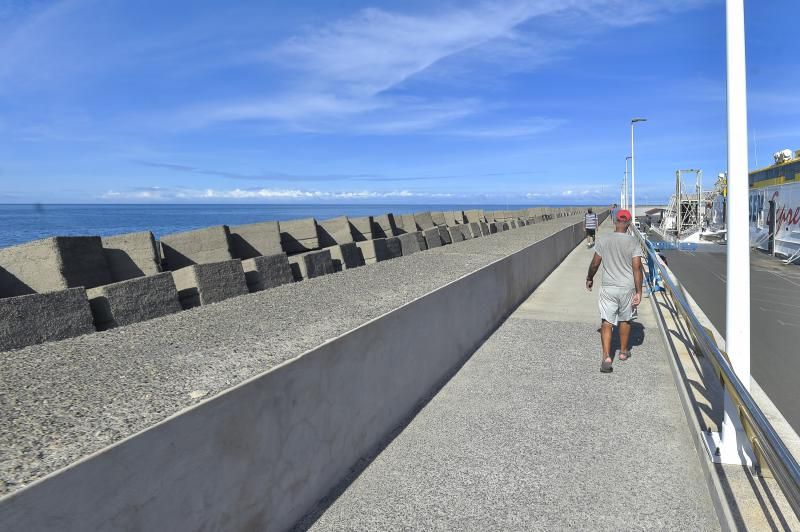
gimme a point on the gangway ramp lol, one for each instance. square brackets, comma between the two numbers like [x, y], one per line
[530, 435]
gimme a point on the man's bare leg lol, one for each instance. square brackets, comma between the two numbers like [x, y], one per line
[605, 339]
[624, 336]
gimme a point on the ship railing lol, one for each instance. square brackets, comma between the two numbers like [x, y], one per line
[773, 458]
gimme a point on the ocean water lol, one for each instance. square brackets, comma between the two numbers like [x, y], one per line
[23, 223]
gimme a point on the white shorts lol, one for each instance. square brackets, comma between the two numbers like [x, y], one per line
[615, 304]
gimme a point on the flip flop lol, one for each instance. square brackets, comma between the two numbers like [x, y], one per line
[605, 367]
[624, 355]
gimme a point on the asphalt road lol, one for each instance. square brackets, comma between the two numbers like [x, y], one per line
[774, 317]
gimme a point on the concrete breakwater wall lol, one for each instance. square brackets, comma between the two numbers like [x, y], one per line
[113, 274]
[261, 454]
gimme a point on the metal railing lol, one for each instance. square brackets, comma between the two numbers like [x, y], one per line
[771, 453]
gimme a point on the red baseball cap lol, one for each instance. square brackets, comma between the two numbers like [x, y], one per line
[624, 215]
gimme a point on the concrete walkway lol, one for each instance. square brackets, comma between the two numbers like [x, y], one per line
[529, 435]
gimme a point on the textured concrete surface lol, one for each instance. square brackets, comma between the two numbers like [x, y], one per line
[438, 218]
[36, 318]
[255, 240]
[266, 272]
[412, 242]
[53, 264]
[465, 231]
[311, 264]
[384, 226]
[424, 220]
[362, 228]
[203, 284]
[529, 435]
[345, 256]
[334, 231]
[456, 235]
[298, 236]
[131, 255]
[409, 223]
[432, 238]
[444, 233]
[484, 228]
[475, 229]
[454, 218]
[67, 399]
[211, 244]
[134, 300]
[474, 215]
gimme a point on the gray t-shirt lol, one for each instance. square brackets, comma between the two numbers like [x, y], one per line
[617, 251]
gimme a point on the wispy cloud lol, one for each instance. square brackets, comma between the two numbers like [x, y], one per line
[263, 193]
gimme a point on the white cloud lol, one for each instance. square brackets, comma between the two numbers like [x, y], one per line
[158, 193]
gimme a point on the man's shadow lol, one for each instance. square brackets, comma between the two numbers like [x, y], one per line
[636, 337]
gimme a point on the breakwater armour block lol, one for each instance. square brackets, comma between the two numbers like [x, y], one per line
[455, 234]
[311, 264]
[424, 220]
[475, 229]
[131, 255]
[465, 232]
[134, 300]
[255, 240]
[484, 228]
[200, 246]
[409, 223]
[474, 215]
[203, 284]
[361, 228]
[36, 318]
[346, 256]
[444, 233]
[438, 218]
[384, 226]
[432, 238]
[266, 272]
[412, 243]
[299, 236]
[53, 264]
[334, 231]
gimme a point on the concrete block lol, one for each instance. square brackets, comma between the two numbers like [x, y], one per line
[492, 227]
[334, 231]
[298, 236]
[53, 264]
[444, 233]
[131, 255]
[465, 231]
[485, 229]
[134, 300]
[361, 228]
[393, 247]
[384, 226]
[409, 223]
[201, 246]
[36, 318]
[255, 240]
[266, 272]
[475, 229]
[203, 284]
[455, 234]
[475, 215]
[410, 242]
[424, 220]
[311, 264]
[505, 226]
[432, 238]
[438, 218]
[454, 218]
[346, 256]
[513, 224]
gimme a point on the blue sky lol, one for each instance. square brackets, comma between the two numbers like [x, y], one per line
[414, 101]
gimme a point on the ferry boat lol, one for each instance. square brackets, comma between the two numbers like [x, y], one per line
[775, 206]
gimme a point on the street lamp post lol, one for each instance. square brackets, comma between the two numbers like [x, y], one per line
[627, 188]
[731, 446]
[633, 172]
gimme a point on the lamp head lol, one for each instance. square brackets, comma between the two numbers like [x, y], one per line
[638, 120]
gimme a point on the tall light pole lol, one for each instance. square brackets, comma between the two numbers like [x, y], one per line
[731, 446]
[633, 172]
[627, 188]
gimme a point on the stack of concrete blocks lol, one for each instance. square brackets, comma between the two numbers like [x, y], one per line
[438, 218]
[475, 215]
[433, 238]
[255, 240]
[336, 236]
[412, 243]
[424, 220]
[131, 255]
[484, 228]
[380, 249]
[384, 226]
[475, 229]
[454, 218]
[456, 235]
[53, 264]
[36, 318]
[133, 300]
[465, 231]
[200, 246]
[210, 282]
[267, 271]
[409, 223]
[299, 236]
[311, 264]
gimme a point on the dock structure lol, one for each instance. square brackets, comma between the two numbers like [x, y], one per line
[440, 378]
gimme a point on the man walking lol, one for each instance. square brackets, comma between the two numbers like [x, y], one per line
[590, 225]
[621, 291]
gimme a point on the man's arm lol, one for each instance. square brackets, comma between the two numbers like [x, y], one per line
[593, 267]
[637, 279]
